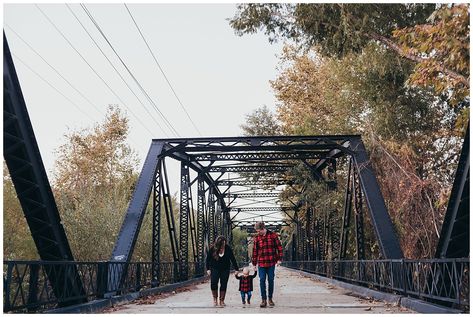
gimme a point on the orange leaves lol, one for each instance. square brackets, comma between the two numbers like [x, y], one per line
[443, 51]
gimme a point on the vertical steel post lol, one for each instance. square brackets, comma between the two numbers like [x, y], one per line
[184, 224]
[201, 234]
[346, 216]
[211, 215]
[310, 234]
[33, 287]
[169, 214]
[360, 236]
[155, 252]
[294, 247]
[218, 219]
[192, 225]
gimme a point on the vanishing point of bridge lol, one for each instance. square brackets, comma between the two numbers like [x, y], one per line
[217, 176]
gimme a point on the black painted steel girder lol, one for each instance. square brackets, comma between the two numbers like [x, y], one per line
[454, 239]
[266, 223]
[384, 228]
[347, 208]
[254, 195]
[134, 216]
[260, 209]
[250, 183]
[202, 232]
[254, 143]
[259, 156]
[251, 229]
[22, 156]
[184, 224]
[250, 168]
[155, 253]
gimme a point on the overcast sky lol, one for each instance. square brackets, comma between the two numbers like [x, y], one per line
[218, 76]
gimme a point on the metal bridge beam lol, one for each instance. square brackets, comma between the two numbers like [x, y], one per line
[128, 234]
[255, 157]
[184, 224]
[454, 239]
[276, 182]
[201, 230]
[29, 177]
[384, 228]
[155, 252]
[250, 168]
[254, 195]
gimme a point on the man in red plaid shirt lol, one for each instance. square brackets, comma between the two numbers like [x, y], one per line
[267, 252]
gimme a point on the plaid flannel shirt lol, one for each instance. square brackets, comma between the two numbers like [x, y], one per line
[267, 250]
[246, 282]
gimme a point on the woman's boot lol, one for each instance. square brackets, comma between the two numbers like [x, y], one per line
[215, 295]
[222, 298]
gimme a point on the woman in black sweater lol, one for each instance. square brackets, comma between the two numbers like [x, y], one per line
[218, 267]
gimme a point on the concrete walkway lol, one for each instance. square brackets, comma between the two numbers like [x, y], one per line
[294, 293]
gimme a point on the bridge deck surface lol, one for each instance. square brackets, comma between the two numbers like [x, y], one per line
[294, 293]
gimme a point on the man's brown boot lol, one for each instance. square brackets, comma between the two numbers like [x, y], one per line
[263, 303]
[215, 295]
[222, 298]
[270, 302]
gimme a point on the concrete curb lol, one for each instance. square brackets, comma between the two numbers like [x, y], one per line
[417, 305]
[428, 308]
[99, 304]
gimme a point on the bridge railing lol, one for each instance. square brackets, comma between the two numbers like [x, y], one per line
[443, 281]
[27, 288]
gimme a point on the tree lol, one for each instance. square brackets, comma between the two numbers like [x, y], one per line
[94, 180]
[339, 29]
[261, 122]
[408, 131]
[18, 243]
[441, 50]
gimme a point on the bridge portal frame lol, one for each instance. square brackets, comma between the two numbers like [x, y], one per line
[210, 159]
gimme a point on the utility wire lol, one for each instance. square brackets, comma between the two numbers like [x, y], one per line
[170, 126]
[95, 72]
[116, 70]
[54, 69]
[50, 85]
[161, 69]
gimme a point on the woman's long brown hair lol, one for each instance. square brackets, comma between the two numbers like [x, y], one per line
[217, 246]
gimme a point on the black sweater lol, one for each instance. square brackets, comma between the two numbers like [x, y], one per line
[223, 263]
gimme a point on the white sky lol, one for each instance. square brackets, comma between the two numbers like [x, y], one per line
[218, 76]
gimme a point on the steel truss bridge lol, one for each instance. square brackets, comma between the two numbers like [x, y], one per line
[227, 183]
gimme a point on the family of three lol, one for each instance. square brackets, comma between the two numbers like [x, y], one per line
[267, 253]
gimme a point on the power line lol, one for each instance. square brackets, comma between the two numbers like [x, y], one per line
[50, 85]
[116, 70]
[170, 126]
[161, 69]
[54, 69]
[95, 72]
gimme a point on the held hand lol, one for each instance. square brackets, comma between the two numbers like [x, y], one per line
[278, 263]
[208, 272]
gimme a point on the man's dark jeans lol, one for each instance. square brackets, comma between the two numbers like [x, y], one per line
[262, 272]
